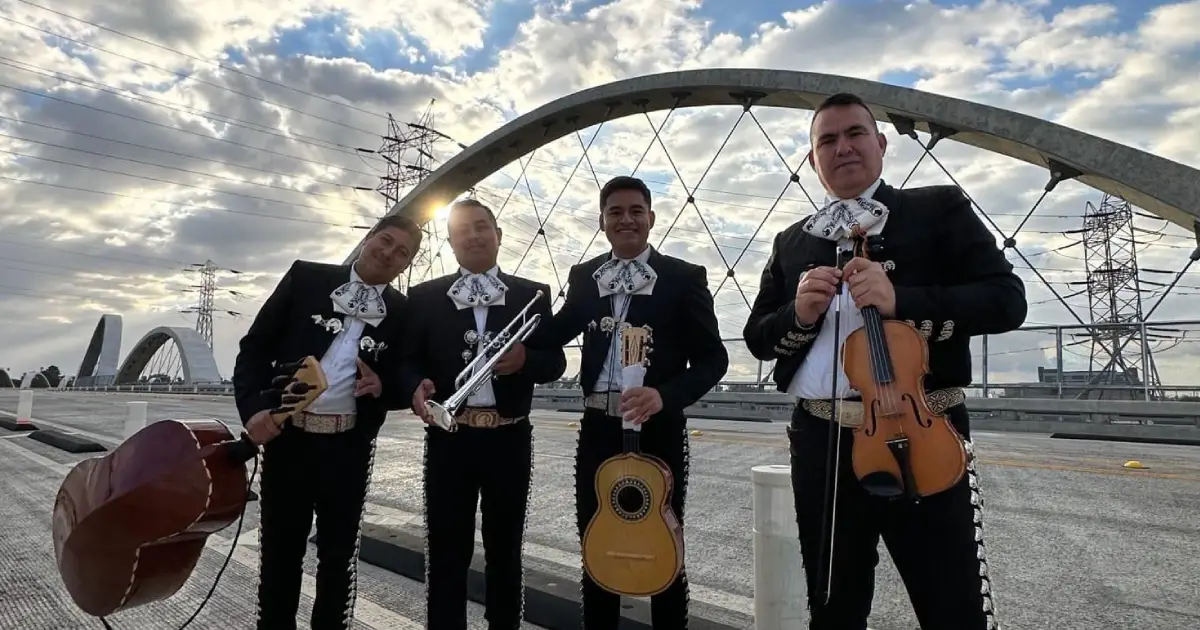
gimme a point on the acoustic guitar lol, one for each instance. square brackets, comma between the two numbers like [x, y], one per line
[130, 526]
[633, 546]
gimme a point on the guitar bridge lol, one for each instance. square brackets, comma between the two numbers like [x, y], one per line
[629, 556]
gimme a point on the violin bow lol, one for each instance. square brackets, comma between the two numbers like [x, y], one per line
[833, 447]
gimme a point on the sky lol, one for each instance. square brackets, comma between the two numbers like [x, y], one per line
[142, 138]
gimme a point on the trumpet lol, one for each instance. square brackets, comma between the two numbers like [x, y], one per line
[470, 379]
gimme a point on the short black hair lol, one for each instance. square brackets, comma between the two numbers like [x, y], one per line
[624, 182]
[841, 99]
[400, 222]
[475, 203]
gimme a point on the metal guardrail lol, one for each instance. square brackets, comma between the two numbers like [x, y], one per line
[776, 406]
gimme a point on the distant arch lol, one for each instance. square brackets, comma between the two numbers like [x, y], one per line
[199, 366]
[6, 380]
[34, 379]
[103, 354]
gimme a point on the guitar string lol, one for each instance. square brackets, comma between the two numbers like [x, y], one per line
[228, 556]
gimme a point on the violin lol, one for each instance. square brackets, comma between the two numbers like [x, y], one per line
[901, 449]
[129, 527]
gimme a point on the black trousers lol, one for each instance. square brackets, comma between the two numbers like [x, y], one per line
[302, 474]
[462, 470]
[936, 544]
[601, 437]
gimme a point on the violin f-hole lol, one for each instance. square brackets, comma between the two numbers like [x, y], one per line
[922, 420]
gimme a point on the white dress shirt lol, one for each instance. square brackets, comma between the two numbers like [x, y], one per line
[815, 377]
[610, 370]
[340, 363]
[485, 396]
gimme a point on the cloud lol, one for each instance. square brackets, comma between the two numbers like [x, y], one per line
[253, 140]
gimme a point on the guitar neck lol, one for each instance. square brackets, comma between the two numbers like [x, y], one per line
[633, 443]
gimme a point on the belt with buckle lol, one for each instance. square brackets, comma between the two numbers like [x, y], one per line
[608, 402]
[324, 422]
[850, 412]
[484, 418]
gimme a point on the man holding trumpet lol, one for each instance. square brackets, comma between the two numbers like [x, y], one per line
[479, 441]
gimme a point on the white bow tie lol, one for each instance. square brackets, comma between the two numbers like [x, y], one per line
[359, 301]
[843, 218]
[631, 277]
[477, 289]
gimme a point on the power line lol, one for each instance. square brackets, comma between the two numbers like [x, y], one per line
[191, 172]
[174, 183]
[201, 60]
[186, 155]
[157, 102]
[172, 203]
[185, 77]
[187, 131]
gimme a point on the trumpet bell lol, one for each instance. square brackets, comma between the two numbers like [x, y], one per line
[442, 416]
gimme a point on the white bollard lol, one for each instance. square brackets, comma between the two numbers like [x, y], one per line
[780, 592]
[25, 407]
[136, 420]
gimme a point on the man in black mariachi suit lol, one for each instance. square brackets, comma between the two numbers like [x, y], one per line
[939, 270]
[636, 285]
[489, 458]
[320, 460]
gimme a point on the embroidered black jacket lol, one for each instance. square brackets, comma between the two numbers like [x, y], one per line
[952, 282]
[440, 339]
[687, 357]
[287, 329]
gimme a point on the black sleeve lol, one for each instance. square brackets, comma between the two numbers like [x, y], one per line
[570, 320]
[395, 397]
[413, 339]
[771, 330]
[981, 296]
[545, 361]
[259, 349]
[708, 359]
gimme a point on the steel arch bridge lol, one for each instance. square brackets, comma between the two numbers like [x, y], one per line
[102, 357]
[1168, 189]
[1160, 186]
[196, 358]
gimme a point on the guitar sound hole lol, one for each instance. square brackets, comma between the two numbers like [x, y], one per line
[630, 499]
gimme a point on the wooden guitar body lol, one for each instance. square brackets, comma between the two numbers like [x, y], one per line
[130, 526]
[633, 546]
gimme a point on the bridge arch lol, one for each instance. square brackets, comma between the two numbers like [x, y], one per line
[6, 380]
[102, 357]
[196, 357]
[1166, 188]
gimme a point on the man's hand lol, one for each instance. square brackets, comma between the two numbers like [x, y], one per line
[870, 286]
[424, 391]
[639, 403]
[367, 382]
[815, 292]
[512, 361]
[261, 428]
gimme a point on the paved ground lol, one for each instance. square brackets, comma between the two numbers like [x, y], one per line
[1075, 541]
[31, 591]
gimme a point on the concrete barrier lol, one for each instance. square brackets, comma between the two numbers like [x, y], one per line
[23, 421]
[779, 585]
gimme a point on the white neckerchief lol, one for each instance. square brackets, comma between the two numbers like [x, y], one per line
[839, 219]
[619, 276]
[360, 300]
[477, 289]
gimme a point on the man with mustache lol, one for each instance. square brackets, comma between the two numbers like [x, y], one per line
[636, 285]
[488, 460]
[349, 317]
[941, 271]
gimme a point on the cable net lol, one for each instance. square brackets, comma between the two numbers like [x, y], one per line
[725, 180]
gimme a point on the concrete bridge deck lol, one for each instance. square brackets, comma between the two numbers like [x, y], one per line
[1075, 541]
